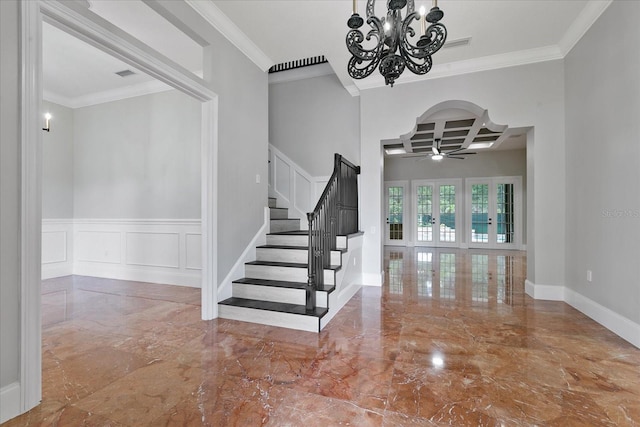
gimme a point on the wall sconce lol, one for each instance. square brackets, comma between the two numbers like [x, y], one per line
[47, 122]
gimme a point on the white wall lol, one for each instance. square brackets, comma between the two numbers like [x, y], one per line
[311, 119]
[524, 96]
[57, 163]
[10, 196]
[138, 158]
[603, 162]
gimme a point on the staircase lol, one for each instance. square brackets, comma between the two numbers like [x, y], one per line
[273, 289]
[297, 280]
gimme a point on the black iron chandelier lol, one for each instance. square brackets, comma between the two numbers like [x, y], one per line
[392, 50]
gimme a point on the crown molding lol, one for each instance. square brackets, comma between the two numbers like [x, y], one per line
[492, 62]
[582, 23]
[213, 15]
[148, 88]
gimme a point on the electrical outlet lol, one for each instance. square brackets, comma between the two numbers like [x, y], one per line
[589, 276]
[373, 230]
[258, 179]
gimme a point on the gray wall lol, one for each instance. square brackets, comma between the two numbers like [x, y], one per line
[487, 164]
[603, 161]
[57, 163]
[242, 90]
[243, 152]
[311, 119]
[9, 193]
[138, 158]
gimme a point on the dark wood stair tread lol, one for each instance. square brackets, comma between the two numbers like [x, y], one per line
[289, 264]
[280, 284]
[302, 248]
[291, 233]
[275, 306]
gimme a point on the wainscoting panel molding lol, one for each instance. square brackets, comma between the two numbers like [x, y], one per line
[149, 250]
[294, 188]
[57, 248]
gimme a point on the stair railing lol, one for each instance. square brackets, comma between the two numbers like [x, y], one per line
[335, 214]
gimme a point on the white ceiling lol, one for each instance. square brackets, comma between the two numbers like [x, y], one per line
[502, 32]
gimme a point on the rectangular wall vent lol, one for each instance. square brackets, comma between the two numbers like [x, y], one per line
[125, 73]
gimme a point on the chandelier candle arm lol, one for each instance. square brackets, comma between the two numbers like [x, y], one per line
[393, 51]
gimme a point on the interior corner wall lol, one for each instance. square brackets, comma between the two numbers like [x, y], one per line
[243, 145]
[10, 196]
[138, 158]
[603, 161]
[523, 96]
[311, 119]
[57, 163]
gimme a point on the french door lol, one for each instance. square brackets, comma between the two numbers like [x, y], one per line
[494, 212]
[395, 212]
[436, 218]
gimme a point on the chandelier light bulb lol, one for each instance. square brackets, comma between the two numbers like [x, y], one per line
[387, 26]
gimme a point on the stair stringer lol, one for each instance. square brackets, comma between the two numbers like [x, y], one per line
[225, 287]
[348, 278]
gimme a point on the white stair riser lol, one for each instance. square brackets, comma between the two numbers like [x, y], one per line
[291, 255]
[272, 318]
[288, 274]
[281, 225]
[276, 294]
[285, 240]
[293, 240]
[278, 213]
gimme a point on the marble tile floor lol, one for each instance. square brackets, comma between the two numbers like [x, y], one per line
[450, 339]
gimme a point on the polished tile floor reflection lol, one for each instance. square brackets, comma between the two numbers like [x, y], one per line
[450, 339]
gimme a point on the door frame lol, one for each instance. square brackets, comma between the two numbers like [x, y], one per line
[83, 24]
[517, 202]
[406, 206]
[458, 216]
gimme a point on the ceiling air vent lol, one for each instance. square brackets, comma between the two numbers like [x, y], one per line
[125, 73]
[458, 42]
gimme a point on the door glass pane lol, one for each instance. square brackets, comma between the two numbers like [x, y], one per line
[480, 213]
[505, 213]
[447, 213]
[425, 213]
[395, 209]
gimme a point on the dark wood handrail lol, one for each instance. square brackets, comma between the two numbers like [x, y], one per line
[335, 214]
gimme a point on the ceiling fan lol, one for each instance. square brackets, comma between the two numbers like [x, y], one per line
[438, 154]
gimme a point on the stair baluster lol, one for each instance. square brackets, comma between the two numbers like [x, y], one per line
[335, 214]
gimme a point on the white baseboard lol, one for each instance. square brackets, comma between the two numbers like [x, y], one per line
[544, 292]
[248, 255]
[50, 271]
[619, 325]
[9, 402]
[611, 320]
[151, 275]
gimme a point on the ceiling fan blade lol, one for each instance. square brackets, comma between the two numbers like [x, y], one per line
[457, 158]
[456, 150]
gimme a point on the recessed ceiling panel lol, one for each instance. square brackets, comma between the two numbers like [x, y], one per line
[421, 136]
[454, 124]
[425, 127]
[455, 134]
